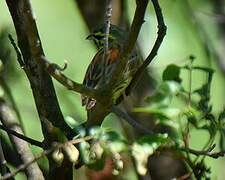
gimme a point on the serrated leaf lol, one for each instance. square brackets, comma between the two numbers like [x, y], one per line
[172, 72]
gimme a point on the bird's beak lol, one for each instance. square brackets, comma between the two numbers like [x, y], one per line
[90, 37]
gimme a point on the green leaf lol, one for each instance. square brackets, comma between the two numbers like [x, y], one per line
[203, 91]
[170, 87]
[192, 116]
[97, 131]
[110, 135]
[1, 92]
[152, 139]
[222, 116]
[211, 128]
[158, 98]
[84, 151]
[118, 146]
[160, 110]
[172, 72]
[167, 122]
[79, 129]
[1, 66]
[222, 139]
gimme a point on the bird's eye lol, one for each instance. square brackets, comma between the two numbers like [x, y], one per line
[98, 36]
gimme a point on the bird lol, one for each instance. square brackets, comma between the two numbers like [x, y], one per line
[94, 76]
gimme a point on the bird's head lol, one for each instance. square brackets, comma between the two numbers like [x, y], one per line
[116, 36]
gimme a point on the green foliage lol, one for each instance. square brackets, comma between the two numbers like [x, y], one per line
[172, 72]
[186, 118]
[195, 115]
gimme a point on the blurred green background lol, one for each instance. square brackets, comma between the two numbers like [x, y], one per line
[63, 32]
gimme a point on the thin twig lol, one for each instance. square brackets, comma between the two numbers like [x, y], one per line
[19, 56]
[44, 153]
[55, 71]
[30, 47]
[129, 44]
[7, 90]
[106, 38]
[3, 160]
[21, 147]
[132, 122]
[27, 139]
[207, 152]
[161, 34]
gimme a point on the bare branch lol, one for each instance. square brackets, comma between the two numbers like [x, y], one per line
[18, 54]
[41, 83]
[2, 160]
[44, 153]
[20, 146]
[106, 38]
[161, 34]
[8, 92]
[207, 152]
[129, 43]
[132, 122]
[55, 71]
[21, 136]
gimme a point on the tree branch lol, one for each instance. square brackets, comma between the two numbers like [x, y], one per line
[20, 146]
[127, 118]
[21, 136]
[45, 153]
[129, 43]
[41, 83]
[3, 161]
[161, 34]
[208, 152]
[55, 71]
[106, 38]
